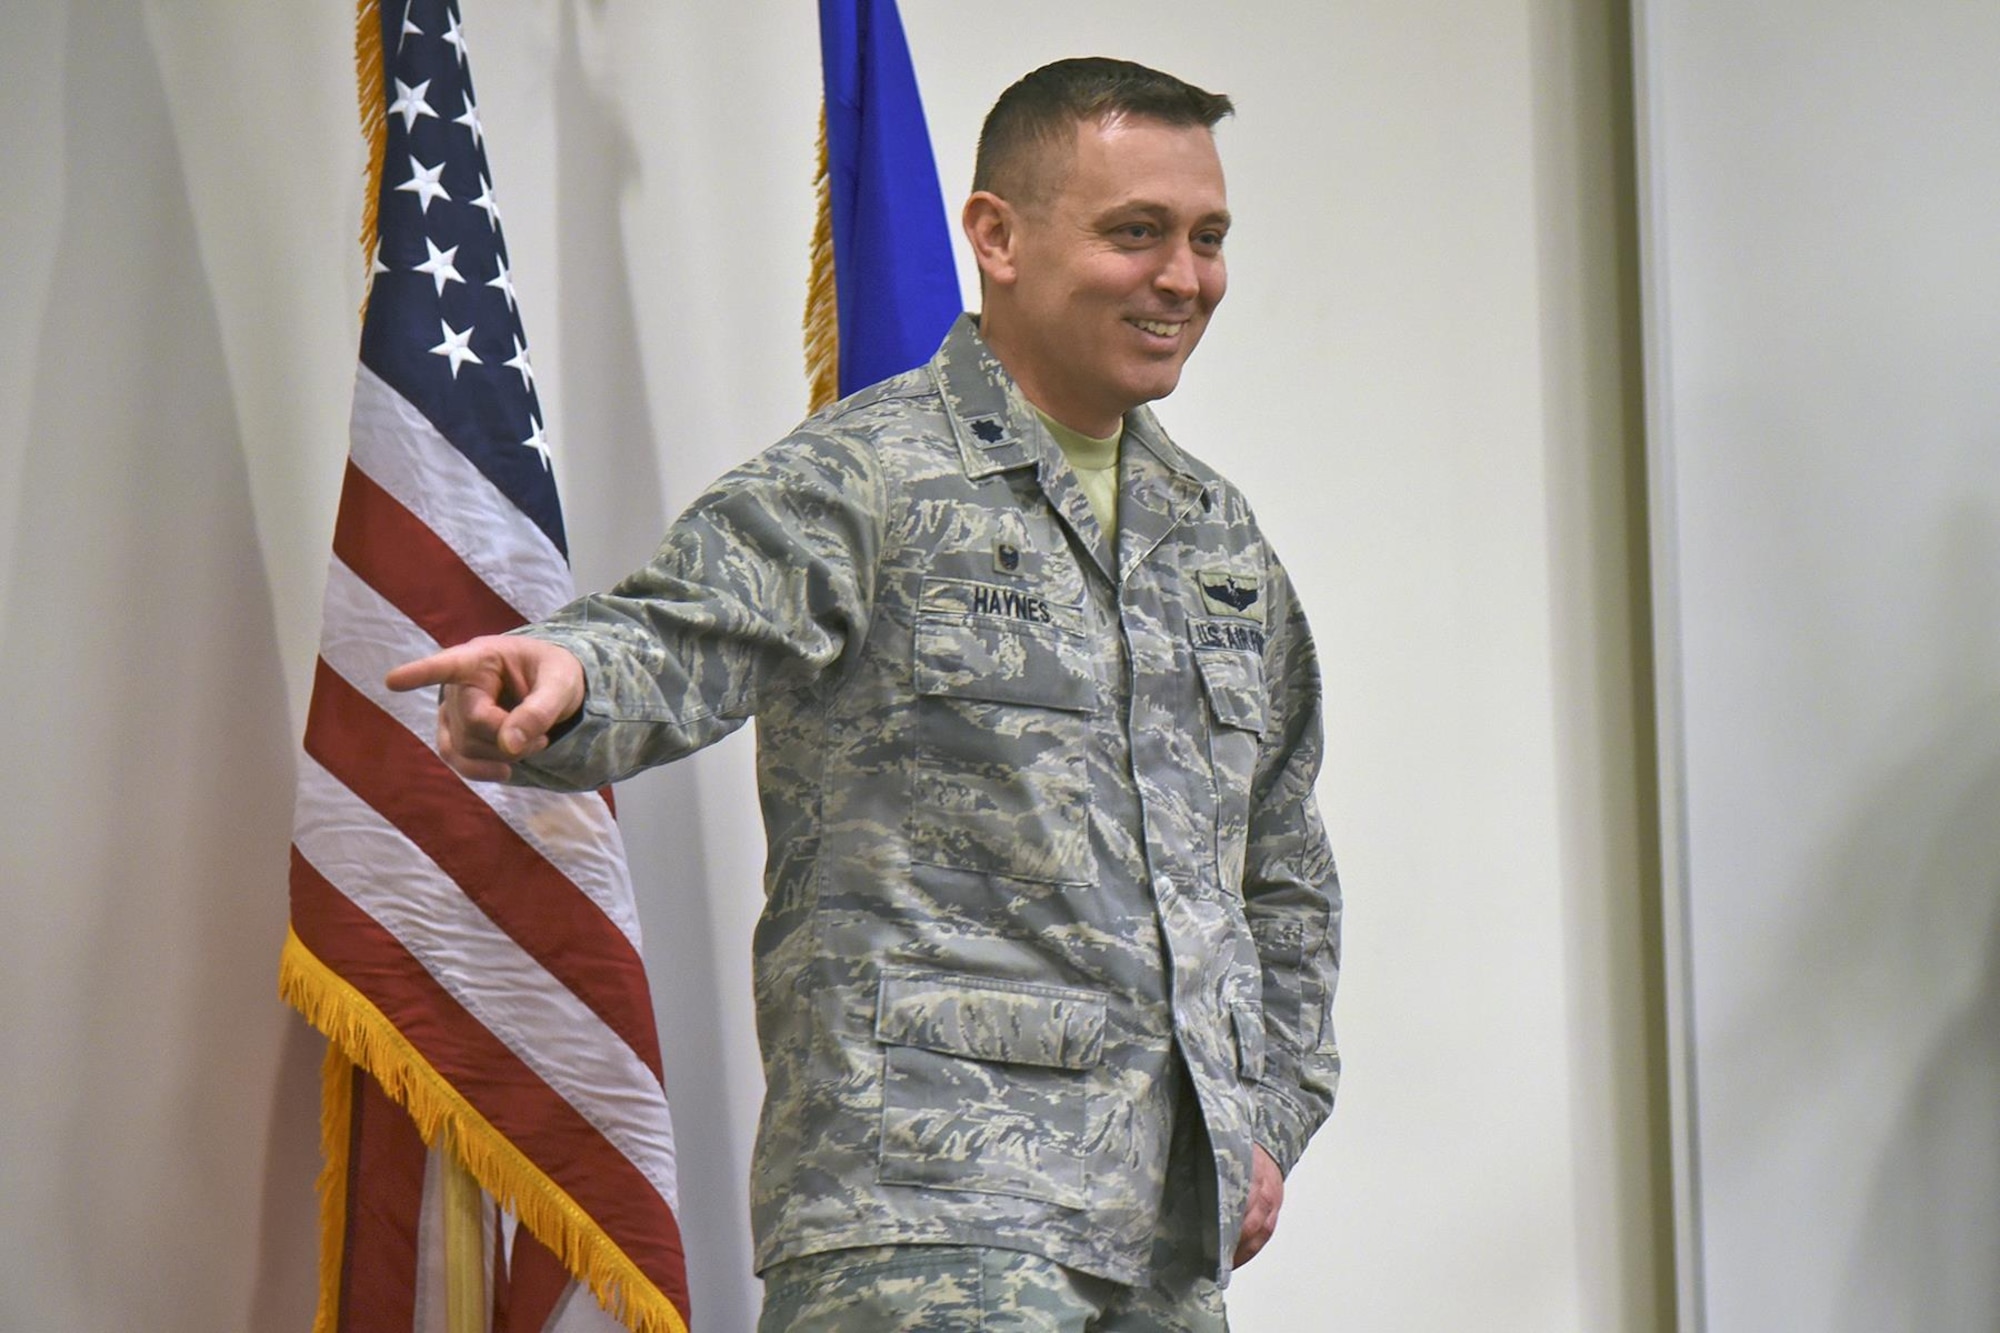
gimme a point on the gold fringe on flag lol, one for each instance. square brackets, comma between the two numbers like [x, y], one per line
[822, 322]
[374, 124]
[365, 1037]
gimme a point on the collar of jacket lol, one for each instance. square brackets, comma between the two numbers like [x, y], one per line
[996, 427]
[998, 431]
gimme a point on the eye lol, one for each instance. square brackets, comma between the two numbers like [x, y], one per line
[1135, 233]
[1209, 240]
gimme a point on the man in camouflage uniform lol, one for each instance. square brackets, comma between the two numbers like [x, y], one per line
[1052, 928]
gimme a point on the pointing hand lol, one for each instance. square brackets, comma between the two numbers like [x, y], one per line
[502, 695]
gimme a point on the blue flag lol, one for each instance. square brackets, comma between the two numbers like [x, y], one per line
[898, 289]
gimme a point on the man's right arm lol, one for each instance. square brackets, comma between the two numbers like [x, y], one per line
[762, 587]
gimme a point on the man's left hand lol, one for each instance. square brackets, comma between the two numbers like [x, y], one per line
[1267, 1196]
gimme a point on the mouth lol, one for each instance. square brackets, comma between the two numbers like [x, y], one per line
[1158, 328]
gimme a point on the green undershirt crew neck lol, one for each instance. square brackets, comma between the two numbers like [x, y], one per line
[1095, 463]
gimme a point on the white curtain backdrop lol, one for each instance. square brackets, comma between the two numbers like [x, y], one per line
[1824, 295]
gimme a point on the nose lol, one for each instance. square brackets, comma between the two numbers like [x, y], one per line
[1179, 275]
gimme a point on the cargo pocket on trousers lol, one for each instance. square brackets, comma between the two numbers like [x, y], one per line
[985, 1084]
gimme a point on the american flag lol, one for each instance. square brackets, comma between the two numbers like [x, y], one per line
[471, 951]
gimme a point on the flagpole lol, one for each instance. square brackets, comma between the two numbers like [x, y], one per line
[464, 1246]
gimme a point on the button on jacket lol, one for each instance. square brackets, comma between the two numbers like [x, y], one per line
[1040, 819]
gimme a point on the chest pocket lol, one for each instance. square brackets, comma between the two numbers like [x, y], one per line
[1005, 695]
[1233, 684]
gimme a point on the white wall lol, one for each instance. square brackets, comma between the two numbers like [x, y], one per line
[1417, 374]
[1825, 184]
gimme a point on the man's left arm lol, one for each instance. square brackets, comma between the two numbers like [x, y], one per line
[1291, 893]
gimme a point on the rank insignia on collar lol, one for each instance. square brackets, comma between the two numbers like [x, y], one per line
[988, 429]
[1236, 595]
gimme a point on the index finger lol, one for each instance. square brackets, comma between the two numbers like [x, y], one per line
[461, 665]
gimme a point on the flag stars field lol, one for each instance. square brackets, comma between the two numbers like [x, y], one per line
[449, 280]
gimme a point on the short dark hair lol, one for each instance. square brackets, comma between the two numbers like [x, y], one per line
[1040, 112]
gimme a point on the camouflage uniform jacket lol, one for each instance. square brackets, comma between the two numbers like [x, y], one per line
[1036, 817]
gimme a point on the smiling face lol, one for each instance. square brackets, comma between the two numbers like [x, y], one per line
[1095, 296]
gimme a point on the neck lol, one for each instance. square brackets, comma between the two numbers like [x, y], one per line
[1097, 423]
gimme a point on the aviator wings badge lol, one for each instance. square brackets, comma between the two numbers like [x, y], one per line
[1237, 595]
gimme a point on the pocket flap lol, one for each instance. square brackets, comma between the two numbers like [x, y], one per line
[1234, 683]
[1002, 663]
[983, 1019]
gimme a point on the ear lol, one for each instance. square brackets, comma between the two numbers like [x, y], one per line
[993, 229]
